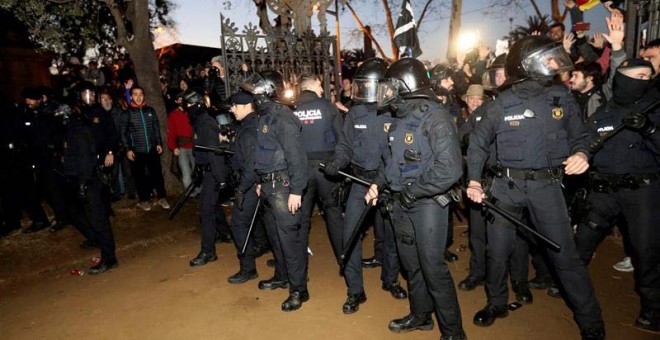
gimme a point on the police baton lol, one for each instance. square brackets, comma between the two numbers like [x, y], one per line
[353, 178]
[182, 199]
[214, 149]
[348, 248]
[488, 204]
[254, 217]
[598, 142]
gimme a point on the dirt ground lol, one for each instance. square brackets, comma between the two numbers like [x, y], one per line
[154, 294]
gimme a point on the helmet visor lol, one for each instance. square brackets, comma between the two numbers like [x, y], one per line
[88, 96]
[388, 91]
[548, 62]
[365, 90]
[255, 84]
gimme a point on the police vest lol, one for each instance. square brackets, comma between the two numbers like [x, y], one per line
[247, 126]
[410, 148]
[317, 133]
[369, 136]
[626, 152]
[532, 133]
[269, 156]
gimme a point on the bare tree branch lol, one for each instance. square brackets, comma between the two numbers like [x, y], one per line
[421, 17]
[366, 32]
[390, 28]
[122, 34]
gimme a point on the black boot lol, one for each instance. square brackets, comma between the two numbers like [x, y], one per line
[412, 322]
[371, 262]
[34, 227]
[243, 276]
[273, 283]
[487, 316]
[103, 266]
[593, 333]
[539, 283]
[396, 290]
[470, 283]
[450, 257]
[649, 321]
[202, 259]
[523, 294]
[295, 300]
[353, 302]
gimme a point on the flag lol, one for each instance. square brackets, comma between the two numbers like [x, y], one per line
[586, 5]
[405, 35]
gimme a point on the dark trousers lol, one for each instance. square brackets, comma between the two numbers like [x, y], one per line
[292, 237]
[148, 175]
[240, 226]
[421, 235]
[320, 188]
[385, 242]
[32, 195]
[545, 203]
[640, 211]
[10, 191]
[213, 217]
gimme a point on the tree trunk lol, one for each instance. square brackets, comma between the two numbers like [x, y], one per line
[141, 50]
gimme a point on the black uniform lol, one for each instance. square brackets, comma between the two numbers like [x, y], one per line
[243, 163]
[321, 126]
[625, 180]
[425, 162]
[214, 176]
[478, 221]
[80, 167]
[10, 171]
[281, 167]
[536, 128]
[362, 144]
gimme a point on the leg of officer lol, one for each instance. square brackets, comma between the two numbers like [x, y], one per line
[292, 237]
[353, 270]
[333, 215]
[519, 268]
[79, 218]
[276, 245]
[240, 226]
[477, 237]
[549, 214]
[100, 221]
[603, 208]
[390, 270]
[209, 211]
[641, 213]
[430, 237]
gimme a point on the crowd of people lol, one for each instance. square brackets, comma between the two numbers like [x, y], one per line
[551, 144]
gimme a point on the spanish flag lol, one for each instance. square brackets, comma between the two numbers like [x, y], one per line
[586, 5]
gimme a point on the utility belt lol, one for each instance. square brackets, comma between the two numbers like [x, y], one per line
[180, 141]
[363, 173]
[608, 184]
[443, 200]
[277, 176]
[530, 174]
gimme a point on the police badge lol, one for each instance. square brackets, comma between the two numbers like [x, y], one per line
[557, 113]
[264, 129]
[408, 139]
[386, 127]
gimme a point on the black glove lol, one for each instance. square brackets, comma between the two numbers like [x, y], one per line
[331, 168]
[238, 200]
[407, 199]
[82, 191]
[640, 122]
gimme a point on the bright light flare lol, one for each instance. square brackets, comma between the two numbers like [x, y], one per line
[288, 93]
[467, 41]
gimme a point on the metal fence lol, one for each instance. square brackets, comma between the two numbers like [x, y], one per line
[642, 24]
[250, 51]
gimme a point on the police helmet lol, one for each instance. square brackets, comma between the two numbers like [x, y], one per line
[495, 75]
[536, 57]
[266, 84]
[406, 78]
[193, 98]
[365, 80]
[87, 92]
[438, 73]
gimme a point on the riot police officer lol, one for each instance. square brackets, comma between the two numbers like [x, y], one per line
[424, 162]
[539, 136]
[281, 167]
[83, 151]
[211, 167]
[246, 197]
[625, 180]
[321, 126]
[363, 141]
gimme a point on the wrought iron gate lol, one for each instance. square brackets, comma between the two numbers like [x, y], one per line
[287, 53]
